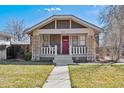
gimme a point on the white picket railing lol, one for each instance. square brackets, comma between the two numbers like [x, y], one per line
[79, 50]
[49, 50]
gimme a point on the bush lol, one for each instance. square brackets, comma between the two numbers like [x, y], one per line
[27, 56]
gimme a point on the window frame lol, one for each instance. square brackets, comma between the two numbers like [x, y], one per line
[46, 40]
[79, 40]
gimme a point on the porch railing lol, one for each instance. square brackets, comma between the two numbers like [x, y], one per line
[78, 50]
[83, 51]
[49, 50]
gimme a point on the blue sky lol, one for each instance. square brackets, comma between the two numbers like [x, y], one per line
[34, 14]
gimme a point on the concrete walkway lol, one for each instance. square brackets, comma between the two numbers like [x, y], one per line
[59, 78]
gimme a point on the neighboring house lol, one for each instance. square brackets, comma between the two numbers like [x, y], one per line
[4, 43]
[17, 49]
[10, 46]
[62, 36]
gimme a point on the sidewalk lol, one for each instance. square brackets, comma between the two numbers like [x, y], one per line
[59, 78]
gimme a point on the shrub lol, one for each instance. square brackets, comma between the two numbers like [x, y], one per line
[27, 56]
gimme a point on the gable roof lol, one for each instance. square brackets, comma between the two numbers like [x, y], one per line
[85, 23]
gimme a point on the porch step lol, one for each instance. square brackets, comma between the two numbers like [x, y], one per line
[63, 60]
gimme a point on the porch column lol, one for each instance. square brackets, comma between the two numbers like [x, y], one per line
[35, 47]
[89, 48]
[55, 49]
[70, 23]
[94, 49]
[70, 50]
[55, 24]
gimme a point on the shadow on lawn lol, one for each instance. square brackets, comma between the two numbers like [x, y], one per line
[21, 62]
[120, 67]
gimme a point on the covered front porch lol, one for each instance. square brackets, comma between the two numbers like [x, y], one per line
[57, 44]
[77, 44]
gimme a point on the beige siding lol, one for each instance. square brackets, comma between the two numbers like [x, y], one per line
[36, 47]
[49, 26]
[91, 48]
[76, 25]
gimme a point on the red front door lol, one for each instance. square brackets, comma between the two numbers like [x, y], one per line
[65, 44]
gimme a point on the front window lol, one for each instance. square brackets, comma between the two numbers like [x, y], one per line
[82, 40]
[78, 40]
[46, 40]
[74, 40]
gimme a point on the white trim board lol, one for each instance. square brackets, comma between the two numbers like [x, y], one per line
[64, 31]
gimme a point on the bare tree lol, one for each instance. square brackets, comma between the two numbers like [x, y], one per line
[17, 28]
[112, 18]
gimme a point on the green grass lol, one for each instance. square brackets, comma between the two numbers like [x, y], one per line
[23, 76]
[97, 76]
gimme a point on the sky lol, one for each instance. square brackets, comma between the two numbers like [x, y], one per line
[33, 14]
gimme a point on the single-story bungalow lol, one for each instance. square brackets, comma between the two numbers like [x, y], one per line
[64, 38]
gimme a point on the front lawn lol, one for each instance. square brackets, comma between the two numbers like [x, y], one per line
[24, 76]
[97, 76]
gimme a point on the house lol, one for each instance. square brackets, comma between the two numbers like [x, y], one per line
[4, 43]
[10, 46]
[64, 37]
[17, 49]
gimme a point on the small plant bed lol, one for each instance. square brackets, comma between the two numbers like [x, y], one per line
[97, 76]
[24, 76]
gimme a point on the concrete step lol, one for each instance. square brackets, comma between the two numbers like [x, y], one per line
[63, 56]
[70, 61]
[63, 60]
